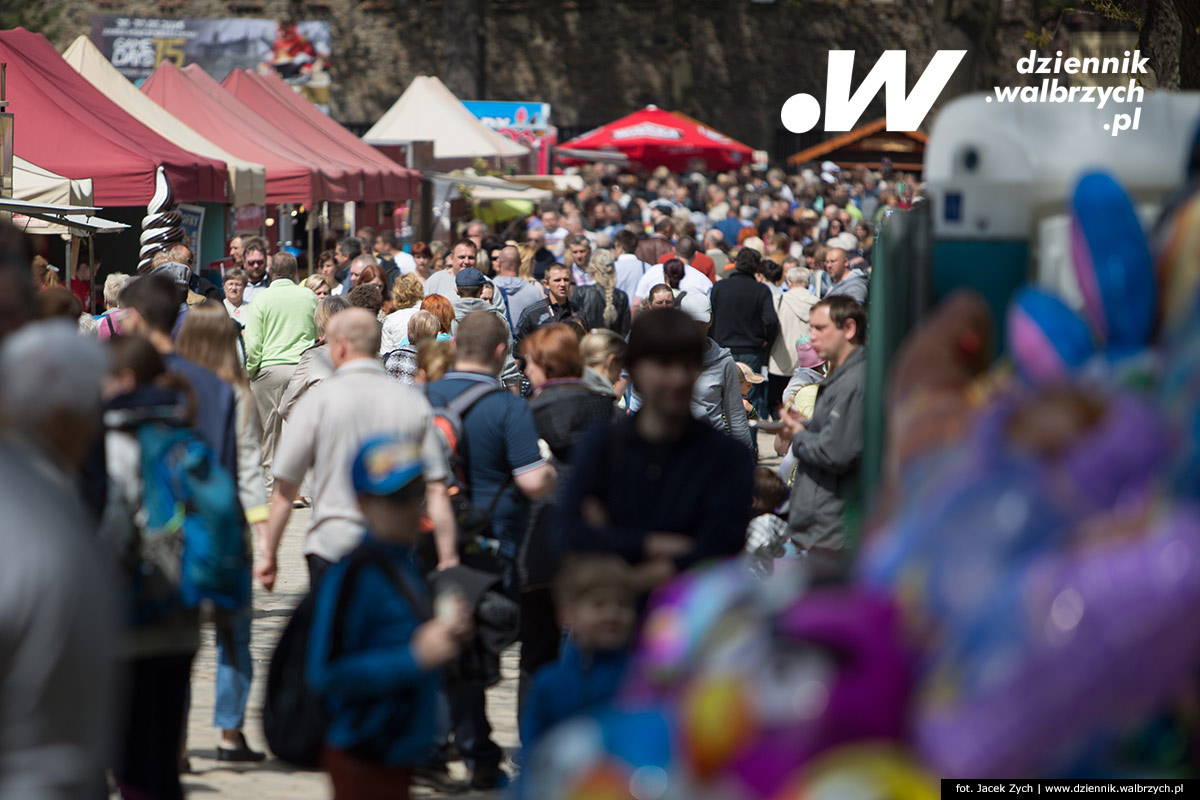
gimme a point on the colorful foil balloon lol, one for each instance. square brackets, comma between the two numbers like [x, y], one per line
[1112, 263]
[1048, 341]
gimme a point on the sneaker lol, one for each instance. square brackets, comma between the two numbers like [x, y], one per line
[438, 779]
[240, 753]
[489, 778]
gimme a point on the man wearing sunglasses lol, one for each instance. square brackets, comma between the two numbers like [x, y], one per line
[254, 256]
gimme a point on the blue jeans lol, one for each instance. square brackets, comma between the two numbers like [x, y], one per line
[234, 672]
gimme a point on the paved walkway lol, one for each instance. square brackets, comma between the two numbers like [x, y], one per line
[272, 779]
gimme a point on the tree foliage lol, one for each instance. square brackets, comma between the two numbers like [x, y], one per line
[39, 16]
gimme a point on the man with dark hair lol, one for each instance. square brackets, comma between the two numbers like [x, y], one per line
[556, 307]
[660, 488]
[151, 305]
[744, 319]
[254, 259]
[504, 471]
[346, 250]
[279, 328]
[392, 258]
[581, 252]
[658, 244]
[628, 266]
[828, 447]
[687, 251]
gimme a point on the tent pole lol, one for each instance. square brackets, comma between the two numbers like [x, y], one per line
[67, 266]
[92, 272]
[312, 253]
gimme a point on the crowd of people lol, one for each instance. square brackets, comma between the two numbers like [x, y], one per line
[579, 393]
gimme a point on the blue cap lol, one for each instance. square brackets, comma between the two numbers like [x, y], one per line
[385, 465]
[469, 277]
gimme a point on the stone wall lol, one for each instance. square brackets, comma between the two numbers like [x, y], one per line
[730, 63]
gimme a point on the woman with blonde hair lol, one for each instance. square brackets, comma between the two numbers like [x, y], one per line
[315, 365]
[209, 337]
[407, 294]
[603, 354]
[603, 305]
[321, 285]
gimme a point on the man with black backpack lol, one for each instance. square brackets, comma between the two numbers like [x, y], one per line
[501, 469]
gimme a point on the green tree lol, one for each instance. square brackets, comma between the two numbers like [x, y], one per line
[39, 16]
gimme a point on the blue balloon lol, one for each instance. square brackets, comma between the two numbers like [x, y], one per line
[1048, 340]
[1113, 264]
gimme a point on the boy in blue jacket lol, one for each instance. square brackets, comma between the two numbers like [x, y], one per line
[596, 602]
[374, 649]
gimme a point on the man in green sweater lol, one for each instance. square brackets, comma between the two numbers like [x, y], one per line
[279, 327]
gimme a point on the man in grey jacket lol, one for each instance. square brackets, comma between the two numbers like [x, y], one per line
[828, 446]
[852, 283]
[717, 394]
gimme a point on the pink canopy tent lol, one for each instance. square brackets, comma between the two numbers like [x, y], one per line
[276, 102]
[295, 174]
[65, 125]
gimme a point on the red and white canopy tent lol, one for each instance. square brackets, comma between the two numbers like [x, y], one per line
[653, 137]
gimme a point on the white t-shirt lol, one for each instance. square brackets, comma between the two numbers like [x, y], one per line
[693, 281]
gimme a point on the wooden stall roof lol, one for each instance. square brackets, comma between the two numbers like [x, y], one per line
[866, 146]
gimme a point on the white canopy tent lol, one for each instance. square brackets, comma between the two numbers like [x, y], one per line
[247, 180]
[34, 184]
[428, 111]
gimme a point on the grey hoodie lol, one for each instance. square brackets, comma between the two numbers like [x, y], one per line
[854, 284]
[717, 395]
[465, 305]
[827, 457]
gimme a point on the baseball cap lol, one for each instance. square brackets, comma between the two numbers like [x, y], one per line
[180, 273]
[829, 166]
[696, 306]
[844, 241]
[748, 375]
[469, 277]
[385, 465]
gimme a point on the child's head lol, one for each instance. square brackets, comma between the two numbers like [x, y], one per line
[747, 378]
[596, 601]
[388, 477]
[769, 490]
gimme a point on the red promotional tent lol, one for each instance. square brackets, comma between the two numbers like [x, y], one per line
[294, 173]
[653, 137]
[64, 124]
[276, 102]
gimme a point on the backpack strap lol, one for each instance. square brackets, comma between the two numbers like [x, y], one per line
[363, 556]
[464, 401]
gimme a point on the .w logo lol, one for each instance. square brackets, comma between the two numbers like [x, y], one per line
[801, 112]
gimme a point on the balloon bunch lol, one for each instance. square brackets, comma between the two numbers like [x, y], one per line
[162, 226]
[737, 688]
[1044, 569]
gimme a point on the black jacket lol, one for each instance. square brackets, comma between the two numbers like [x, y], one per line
[590, 300]
[541, 314]
[743, 315]
[562, 414]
